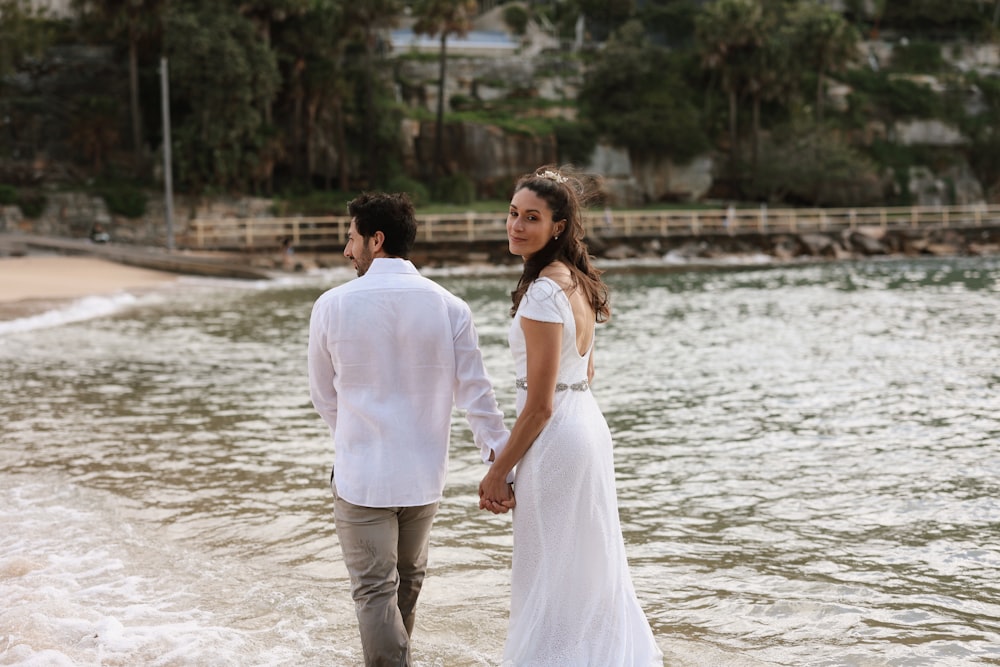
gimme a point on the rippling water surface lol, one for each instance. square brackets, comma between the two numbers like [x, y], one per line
[808, 467]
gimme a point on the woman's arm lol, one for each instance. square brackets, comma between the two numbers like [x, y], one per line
[543, 343]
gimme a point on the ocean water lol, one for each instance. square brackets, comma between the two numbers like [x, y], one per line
[808, 463]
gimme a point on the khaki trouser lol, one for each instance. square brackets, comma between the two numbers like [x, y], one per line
[385, 551]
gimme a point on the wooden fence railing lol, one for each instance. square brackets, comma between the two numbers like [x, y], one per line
[331, 231]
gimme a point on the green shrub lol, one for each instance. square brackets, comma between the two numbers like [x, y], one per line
[31, 203]
[418, 192]
[457, 189]
[461, 102]
[124, 199]
[516, 18]
[918, 56]
[575, 141]
[909, 99]
[312, 203]
[8, 195]
[807, 165]
[899, 96]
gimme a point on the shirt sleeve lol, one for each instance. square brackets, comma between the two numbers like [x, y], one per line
[474, 391]
[540, 302]
[321, 371]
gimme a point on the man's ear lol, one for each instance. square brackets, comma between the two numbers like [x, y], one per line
[379, 238]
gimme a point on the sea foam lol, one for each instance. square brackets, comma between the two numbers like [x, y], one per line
[75, 311]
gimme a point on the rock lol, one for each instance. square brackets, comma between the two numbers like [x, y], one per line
[872, 232]
[596, 245]
[984, 249]
[10, 218]
[819, 245]
[966, 187]
[917, 246]
[634, 183]
[491, 158]
[653, 247]
[927, 132]
[867, 245]
[786, 247]
[621, 252]
[664, 180]
[943, 250]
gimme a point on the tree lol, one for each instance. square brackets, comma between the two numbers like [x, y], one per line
[605, 16]
[313, 46]
[23, 33]
[824, 41]
[810, 164]
[367, 17]
[671, 21]
[93, 130]
[443, 18]
[136, 20]
[730, 37]
[265, 14]
[635, 95]
[221, 78]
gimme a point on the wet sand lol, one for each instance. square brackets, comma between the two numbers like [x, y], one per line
[33, 283]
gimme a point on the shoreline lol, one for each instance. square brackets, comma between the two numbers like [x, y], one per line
[32, 284]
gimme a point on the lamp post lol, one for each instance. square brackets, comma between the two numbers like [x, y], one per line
[168, 187]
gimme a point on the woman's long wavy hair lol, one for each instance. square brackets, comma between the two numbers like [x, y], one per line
[567, 193]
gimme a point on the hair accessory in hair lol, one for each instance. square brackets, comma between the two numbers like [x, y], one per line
[553, 176]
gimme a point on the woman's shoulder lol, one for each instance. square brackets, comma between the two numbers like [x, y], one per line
[558, 273]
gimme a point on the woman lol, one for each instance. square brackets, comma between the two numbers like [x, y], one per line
[572, 600]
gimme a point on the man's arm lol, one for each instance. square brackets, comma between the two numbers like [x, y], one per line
[474, 392]
[321, 371]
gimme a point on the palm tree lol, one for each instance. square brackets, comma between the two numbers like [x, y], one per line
[826, 42]
[315, 43]
[730, 35]
[266, 13]
[367, 17]
[137, 20]
[443, 18]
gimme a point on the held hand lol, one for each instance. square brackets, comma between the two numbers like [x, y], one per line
[496, 495]
[498, 506]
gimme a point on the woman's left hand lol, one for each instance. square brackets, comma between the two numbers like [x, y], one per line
[495, 494]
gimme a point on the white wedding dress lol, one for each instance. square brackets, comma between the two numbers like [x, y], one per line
[572, 599]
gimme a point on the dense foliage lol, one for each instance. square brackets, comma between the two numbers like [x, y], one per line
[294, 96]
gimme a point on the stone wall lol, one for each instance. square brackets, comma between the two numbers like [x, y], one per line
[75, 214]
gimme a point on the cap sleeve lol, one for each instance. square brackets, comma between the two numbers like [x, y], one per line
[542, 302]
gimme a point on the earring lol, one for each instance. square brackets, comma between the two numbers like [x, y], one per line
[556, 237]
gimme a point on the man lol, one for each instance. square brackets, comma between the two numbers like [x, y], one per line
[390, 355]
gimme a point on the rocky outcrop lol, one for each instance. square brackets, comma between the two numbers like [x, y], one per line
[630, 183]
[955, 184]
[852, 244]
[927, 132]
[544, 76]
[491, 158]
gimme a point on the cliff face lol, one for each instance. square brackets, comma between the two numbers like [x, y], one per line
[491, 158]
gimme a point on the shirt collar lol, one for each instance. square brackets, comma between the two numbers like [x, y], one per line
[386, 265]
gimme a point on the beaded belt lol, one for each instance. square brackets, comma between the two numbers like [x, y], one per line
[582, 385]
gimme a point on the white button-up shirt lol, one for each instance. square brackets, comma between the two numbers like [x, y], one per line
[390, 355]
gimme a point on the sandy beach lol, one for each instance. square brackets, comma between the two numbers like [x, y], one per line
[27, 284]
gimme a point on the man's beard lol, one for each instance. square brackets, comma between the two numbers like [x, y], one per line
[365, 260]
